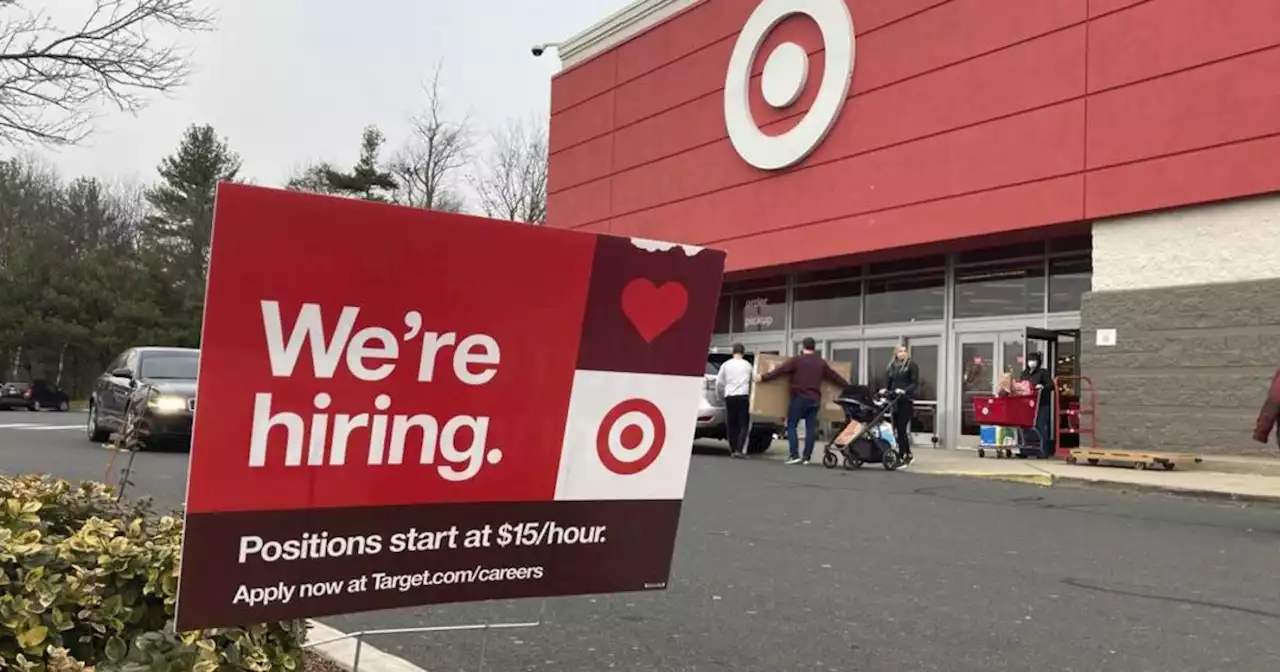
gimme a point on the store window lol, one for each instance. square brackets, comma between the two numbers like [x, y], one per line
[837, 304]
[1082, 243]
[1010, 288]
[987, 254]
[1069, 279]
[757, 284]
[723, 317]
[910, 298]
[764, 310]
[914, 264]
[842, 273]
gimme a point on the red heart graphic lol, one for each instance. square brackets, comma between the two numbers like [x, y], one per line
[652, 309]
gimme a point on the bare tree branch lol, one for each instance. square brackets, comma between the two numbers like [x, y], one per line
[51, 79]
[427, 166]
[512, 183]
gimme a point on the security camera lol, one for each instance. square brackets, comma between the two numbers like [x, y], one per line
[540, 49]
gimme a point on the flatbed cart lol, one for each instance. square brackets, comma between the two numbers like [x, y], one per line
[1136, 459]
[1015, 412]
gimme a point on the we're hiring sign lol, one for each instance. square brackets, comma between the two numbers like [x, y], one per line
[402, 407]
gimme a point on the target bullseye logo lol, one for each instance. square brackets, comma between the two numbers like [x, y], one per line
[631, 436]
[786, 71]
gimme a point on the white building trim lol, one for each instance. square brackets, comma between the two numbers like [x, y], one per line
[623, 24]
[1230, 241]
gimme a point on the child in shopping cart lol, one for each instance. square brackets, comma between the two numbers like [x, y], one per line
[1008, 387]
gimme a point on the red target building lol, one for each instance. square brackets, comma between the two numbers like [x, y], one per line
[951, 173]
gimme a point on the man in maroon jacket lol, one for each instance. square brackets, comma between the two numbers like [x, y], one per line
[1270, 413]
[807, 371]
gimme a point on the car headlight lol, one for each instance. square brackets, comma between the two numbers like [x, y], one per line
[167, 404]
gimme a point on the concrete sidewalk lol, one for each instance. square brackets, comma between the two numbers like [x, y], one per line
[1230, 478]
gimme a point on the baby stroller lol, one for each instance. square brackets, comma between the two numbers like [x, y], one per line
[867, 436]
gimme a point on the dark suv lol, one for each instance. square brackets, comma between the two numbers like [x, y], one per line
[147, 396]
[38, 395]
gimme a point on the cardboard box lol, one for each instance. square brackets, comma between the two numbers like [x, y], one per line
[771, 399]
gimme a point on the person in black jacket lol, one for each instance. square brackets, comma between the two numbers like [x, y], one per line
[903, 378]
[1042, 386]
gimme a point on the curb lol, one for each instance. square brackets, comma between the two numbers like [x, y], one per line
[1190, 493]
[343, 652]
[1042, 480]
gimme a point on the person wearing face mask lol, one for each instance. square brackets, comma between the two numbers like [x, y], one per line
[903, 377]
[1042, 385]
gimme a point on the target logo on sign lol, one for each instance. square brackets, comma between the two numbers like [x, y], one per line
[631, 436]
[628, 436]
[786, 71]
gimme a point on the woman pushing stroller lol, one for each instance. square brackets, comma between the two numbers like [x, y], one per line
[903, 377]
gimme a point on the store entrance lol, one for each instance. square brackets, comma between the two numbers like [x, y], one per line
[1060, 349]
[981, 358]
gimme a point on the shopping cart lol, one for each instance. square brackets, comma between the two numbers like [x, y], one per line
[1014, 412]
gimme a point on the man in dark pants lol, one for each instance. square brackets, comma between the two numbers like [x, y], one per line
[807, 371]
[903, 377]
[733, 382]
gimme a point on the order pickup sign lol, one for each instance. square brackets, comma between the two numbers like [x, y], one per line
[401, 407]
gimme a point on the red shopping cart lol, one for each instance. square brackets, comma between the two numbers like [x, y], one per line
[1014, 412]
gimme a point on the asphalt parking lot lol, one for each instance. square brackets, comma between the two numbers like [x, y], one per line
[794, 568]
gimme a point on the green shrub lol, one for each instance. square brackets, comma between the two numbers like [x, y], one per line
[89, 583]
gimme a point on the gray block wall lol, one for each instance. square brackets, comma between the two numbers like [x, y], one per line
[1190, 367]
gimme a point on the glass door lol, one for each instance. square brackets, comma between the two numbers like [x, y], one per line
[981, 359]
[977, 368]
[878, 356]
[849, 352]
[926, 352]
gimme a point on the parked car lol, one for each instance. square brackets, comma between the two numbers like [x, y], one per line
[13, 394]
[147, 395]
[711, 415]
[37, 395]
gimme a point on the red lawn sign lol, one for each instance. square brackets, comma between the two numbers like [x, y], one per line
[401, 407]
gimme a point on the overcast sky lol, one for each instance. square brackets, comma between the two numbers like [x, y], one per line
[291, 81]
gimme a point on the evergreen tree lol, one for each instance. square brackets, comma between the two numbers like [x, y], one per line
[365, 180]
[175, 248]
[179, 232]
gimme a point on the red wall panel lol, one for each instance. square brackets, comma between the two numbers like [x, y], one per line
[1218, 103]
[1100, 7]
[1229, 171]
[996, 211]
[580, 205]
[582, 163]
[1031, 146]
[965, 118]
[583, 122]
[952, 32]
[1162, 36]
[584, 82]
